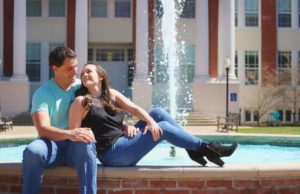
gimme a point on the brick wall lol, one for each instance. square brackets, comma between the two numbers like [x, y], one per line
[165, 180]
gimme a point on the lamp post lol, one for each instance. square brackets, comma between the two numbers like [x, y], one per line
[227, 66]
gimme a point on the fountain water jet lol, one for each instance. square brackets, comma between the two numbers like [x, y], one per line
[171, 48]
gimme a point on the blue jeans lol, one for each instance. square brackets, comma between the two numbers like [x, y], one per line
[42, 154]
[127, 151]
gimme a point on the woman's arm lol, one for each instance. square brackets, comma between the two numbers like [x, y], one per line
[76, 115]
[127, 105]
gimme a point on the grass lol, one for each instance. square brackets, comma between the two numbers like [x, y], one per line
[290, 130]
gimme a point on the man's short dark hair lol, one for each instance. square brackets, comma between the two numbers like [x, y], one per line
[58, 55]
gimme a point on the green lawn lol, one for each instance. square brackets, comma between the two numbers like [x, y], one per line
[272, 130]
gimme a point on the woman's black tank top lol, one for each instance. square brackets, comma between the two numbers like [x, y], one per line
[107, 127]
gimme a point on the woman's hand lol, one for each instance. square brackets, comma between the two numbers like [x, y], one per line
[154, 129]
[82, 134]
[130, 130]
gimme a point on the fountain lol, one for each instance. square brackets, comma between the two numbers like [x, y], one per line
[171, 55]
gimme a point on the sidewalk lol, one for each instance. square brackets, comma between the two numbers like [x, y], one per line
[30, 131]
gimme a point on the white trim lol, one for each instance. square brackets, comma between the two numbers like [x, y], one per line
[294, 14]
[44, 61]
[111, 8]
[294, 65]
[241, 67]
[45, 8]
[241, 13]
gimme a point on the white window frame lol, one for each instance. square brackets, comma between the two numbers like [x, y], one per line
[288, 12]
[256, 82]
[34, 61]
[282, 67]
[252, 12]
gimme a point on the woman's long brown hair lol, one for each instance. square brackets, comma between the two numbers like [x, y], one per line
[108, 103]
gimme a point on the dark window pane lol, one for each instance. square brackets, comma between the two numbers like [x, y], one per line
[247, 115]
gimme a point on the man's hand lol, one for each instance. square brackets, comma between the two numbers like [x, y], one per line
[82, 134]
[130, 130]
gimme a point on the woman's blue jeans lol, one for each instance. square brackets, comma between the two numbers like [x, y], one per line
[127, 151]
[43, 153]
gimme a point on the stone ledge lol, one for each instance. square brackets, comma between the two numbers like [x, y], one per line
[288, 170]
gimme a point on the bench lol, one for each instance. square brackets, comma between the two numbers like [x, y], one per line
[231, 122]
[5, 125]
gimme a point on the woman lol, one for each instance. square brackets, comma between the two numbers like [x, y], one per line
[100, 108]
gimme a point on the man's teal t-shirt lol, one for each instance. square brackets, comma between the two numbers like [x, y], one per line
[56, 101]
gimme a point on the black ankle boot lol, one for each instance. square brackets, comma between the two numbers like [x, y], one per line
[215, 151]
[222, 150]
[197, 156]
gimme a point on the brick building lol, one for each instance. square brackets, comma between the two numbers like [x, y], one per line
[259, 38]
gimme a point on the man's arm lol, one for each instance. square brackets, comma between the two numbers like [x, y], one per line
[42, 123]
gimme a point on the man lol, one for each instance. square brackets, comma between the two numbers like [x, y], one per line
[56, 145]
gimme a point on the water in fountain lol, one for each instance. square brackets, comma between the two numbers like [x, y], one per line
[171, 49]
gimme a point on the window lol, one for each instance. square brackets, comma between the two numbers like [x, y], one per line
[288, 115]
[158, 9]
[33, 61]
[251, 67]
[99, 8]
[130, 55]
[51, 47]
[131, 70]
[251, 13]
[280, 115]
[57, 8]
[284, 13]
[236, 12]
[122, 8]
[186, 61]
[284, 68]
[90, 54]
[34, 8]
[187, 64]
[236, 66]
[110, 55]
[188, 9]
[247, 115]
[255, 115]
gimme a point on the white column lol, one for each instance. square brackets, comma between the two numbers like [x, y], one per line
[141, 41]
[19, 41]
[202, 49]
[1, 38]
[142, 88]
[81, 32]
[226, 37]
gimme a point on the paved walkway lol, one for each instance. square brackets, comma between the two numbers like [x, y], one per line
[30, 131]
